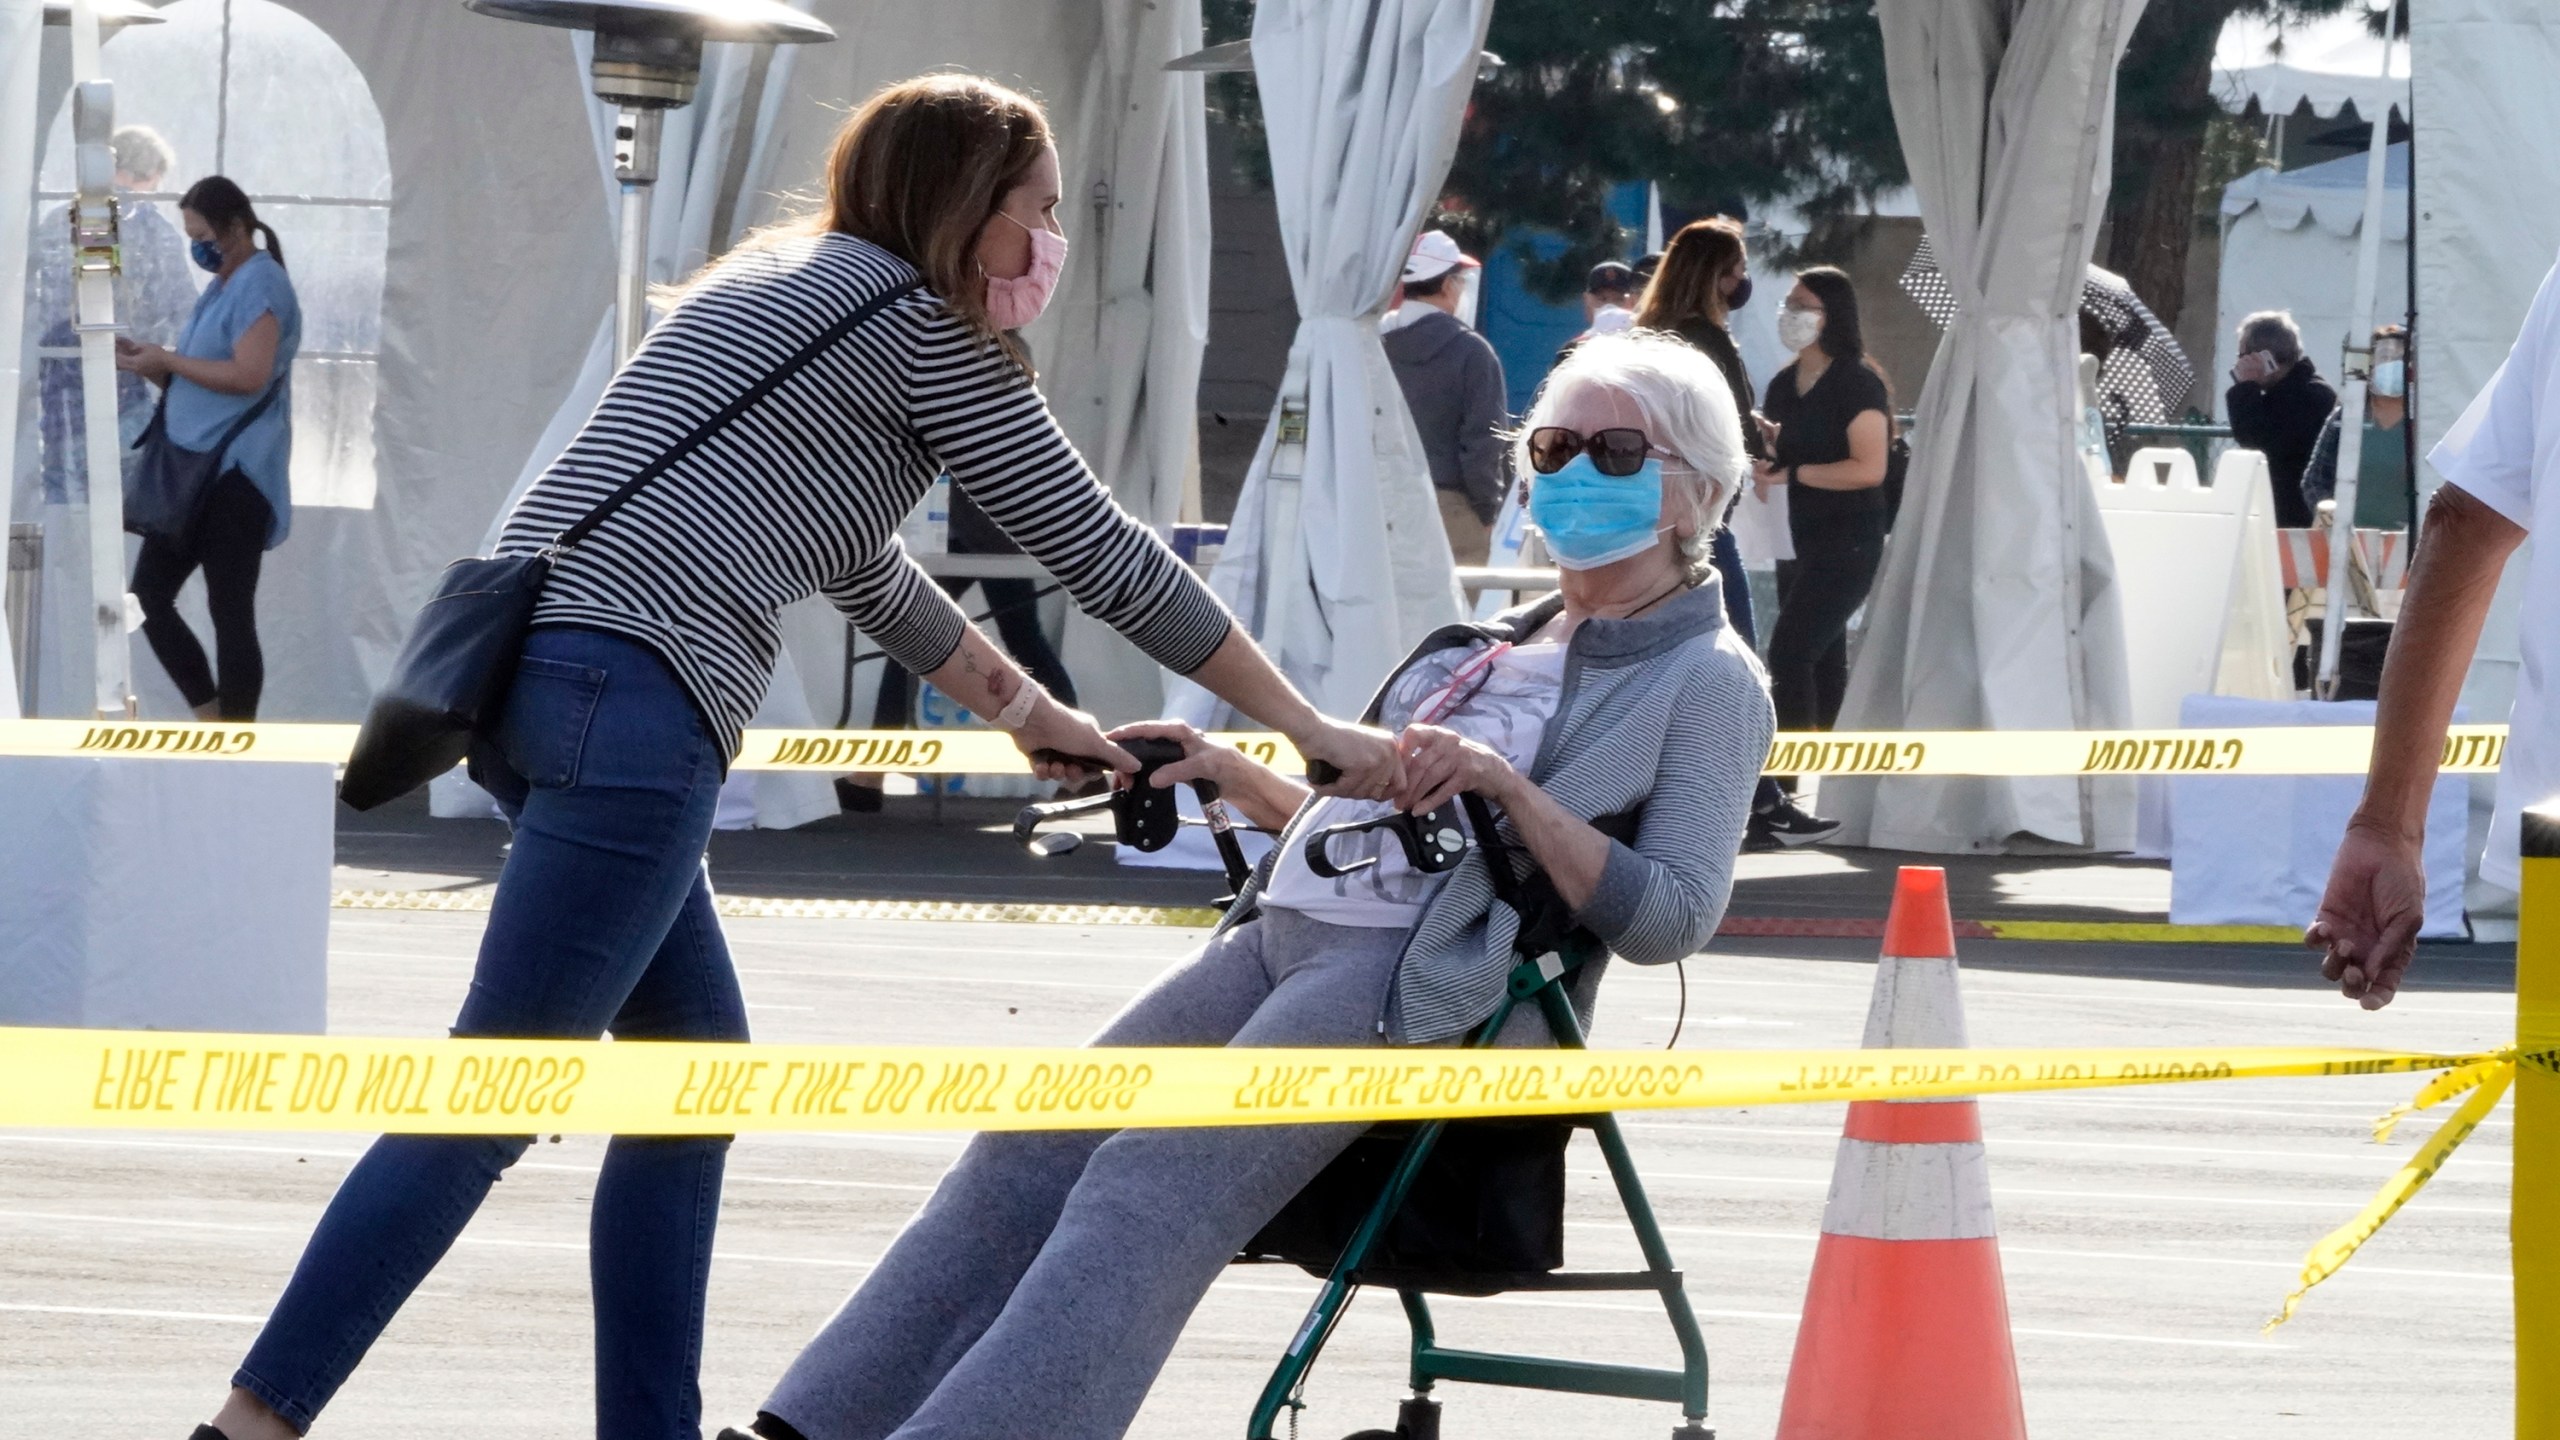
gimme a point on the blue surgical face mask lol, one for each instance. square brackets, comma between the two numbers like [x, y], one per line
[2391, 379]
[1591, 519]
[207, 255]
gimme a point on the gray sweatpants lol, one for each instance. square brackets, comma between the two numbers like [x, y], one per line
[1041, 1287]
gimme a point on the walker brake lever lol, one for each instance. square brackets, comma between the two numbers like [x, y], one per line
[1433, 843]
[1142, 813]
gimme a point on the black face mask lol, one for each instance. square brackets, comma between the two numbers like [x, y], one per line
[1741, 295]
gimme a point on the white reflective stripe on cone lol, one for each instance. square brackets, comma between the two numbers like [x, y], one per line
[1910, 1192]
[1916, 1005]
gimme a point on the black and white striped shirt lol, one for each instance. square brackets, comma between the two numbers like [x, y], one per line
[802, 494]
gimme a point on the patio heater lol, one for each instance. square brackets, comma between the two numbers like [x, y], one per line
[648, 58]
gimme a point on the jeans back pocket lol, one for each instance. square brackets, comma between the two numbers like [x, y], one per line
[548, 713]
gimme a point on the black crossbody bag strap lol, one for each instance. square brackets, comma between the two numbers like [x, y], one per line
[744, 401]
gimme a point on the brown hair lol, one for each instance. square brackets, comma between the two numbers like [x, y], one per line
[1684, 286]
[918, 170]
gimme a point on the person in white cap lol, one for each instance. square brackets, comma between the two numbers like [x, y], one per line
[2501, 469]
[1453, 384]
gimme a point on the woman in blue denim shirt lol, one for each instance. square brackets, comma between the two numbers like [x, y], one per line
[238, 346]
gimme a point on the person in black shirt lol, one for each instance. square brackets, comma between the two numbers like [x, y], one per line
[1832, 419]
[1704, 276]
[2278, 404]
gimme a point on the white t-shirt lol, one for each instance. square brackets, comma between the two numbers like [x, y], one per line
[1508, 711]
[2505, 453]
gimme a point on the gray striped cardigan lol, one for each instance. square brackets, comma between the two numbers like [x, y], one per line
[1666, 715]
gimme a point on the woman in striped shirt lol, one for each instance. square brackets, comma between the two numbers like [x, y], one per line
[655, 638]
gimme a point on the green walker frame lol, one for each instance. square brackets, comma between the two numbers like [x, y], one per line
[1541, 980]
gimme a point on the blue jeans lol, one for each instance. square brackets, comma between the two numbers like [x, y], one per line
[602, 922]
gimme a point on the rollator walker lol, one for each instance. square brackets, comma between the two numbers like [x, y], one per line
[1444, 1207]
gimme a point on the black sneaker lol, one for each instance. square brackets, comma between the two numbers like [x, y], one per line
[1788, 826]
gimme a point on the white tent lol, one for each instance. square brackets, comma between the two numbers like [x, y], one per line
[21, 22]
[434, 175]
[2488, 193]
[1996, 608]
[2289, 243]
[2331, 62]
[1336, 558]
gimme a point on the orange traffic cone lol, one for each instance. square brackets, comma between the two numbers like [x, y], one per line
[1906, 1324]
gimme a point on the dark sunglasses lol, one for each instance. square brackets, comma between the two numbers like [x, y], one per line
[1612, 452]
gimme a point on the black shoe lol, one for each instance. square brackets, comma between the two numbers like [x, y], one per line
[207, 1432]
[1787, 826]
[855, 799]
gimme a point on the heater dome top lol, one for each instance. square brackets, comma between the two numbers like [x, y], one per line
[767, 22]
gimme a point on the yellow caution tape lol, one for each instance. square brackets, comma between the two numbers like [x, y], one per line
[2486, 1079]
[173, 1080]
[2277, 750]
[477, 899]
[161, 1080]
[756, 907]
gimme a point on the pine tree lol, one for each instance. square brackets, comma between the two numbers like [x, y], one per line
[2166, 118]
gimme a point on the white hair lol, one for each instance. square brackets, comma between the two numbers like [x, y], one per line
[141, 153]
[2274, 332]
[1687, 408]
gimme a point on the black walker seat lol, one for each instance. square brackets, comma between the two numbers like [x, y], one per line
[1444, 1207]
[1476, 1208]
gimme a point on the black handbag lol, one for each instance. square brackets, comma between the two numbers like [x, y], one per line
[450, 680]
[166, 489]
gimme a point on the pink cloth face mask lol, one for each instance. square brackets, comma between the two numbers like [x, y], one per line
[1012, 304]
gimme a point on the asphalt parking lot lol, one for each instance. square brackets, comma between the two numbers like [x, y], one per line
[2145, 1235]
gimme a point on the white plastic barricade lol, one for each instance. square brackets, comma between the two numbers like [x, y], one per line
[2177, 551]
[2257, 639]
[2255, 849]
[140, 894]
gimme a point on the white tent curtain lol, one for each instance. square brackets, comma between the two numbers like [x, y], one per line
[717, 150]
[21, 22]
[2488, 193]
[716, 162]
[1120, 353]
[1337, 559]
[1997, 607]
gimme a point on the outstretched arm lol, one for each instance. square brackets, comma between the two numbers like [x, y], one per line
[2367, 926]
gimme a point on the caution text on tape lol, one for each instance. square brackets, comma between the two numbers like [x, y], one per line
[2276, 750]
[162, 1080]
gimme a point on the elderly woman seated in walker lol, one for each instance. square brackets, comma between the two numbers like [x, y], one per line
[1043, 1284]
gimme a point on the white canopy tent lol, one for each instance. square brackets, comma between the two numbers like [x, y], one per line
[2289, 243]
[1336, 558]
[433, 173]
[1996, 607]
[2331, 62]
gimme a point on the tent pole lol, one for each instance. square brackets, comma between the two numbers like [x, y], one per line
[636, 132]
[2357, 368]
[96, 257]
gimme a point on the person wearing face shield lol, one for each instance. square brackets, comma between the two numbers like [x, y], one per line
[1832, 421]
[2382, 474]
[1617, 726]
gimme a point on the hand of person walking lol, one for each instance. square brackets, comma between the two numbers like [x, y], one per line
[2367, 925]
